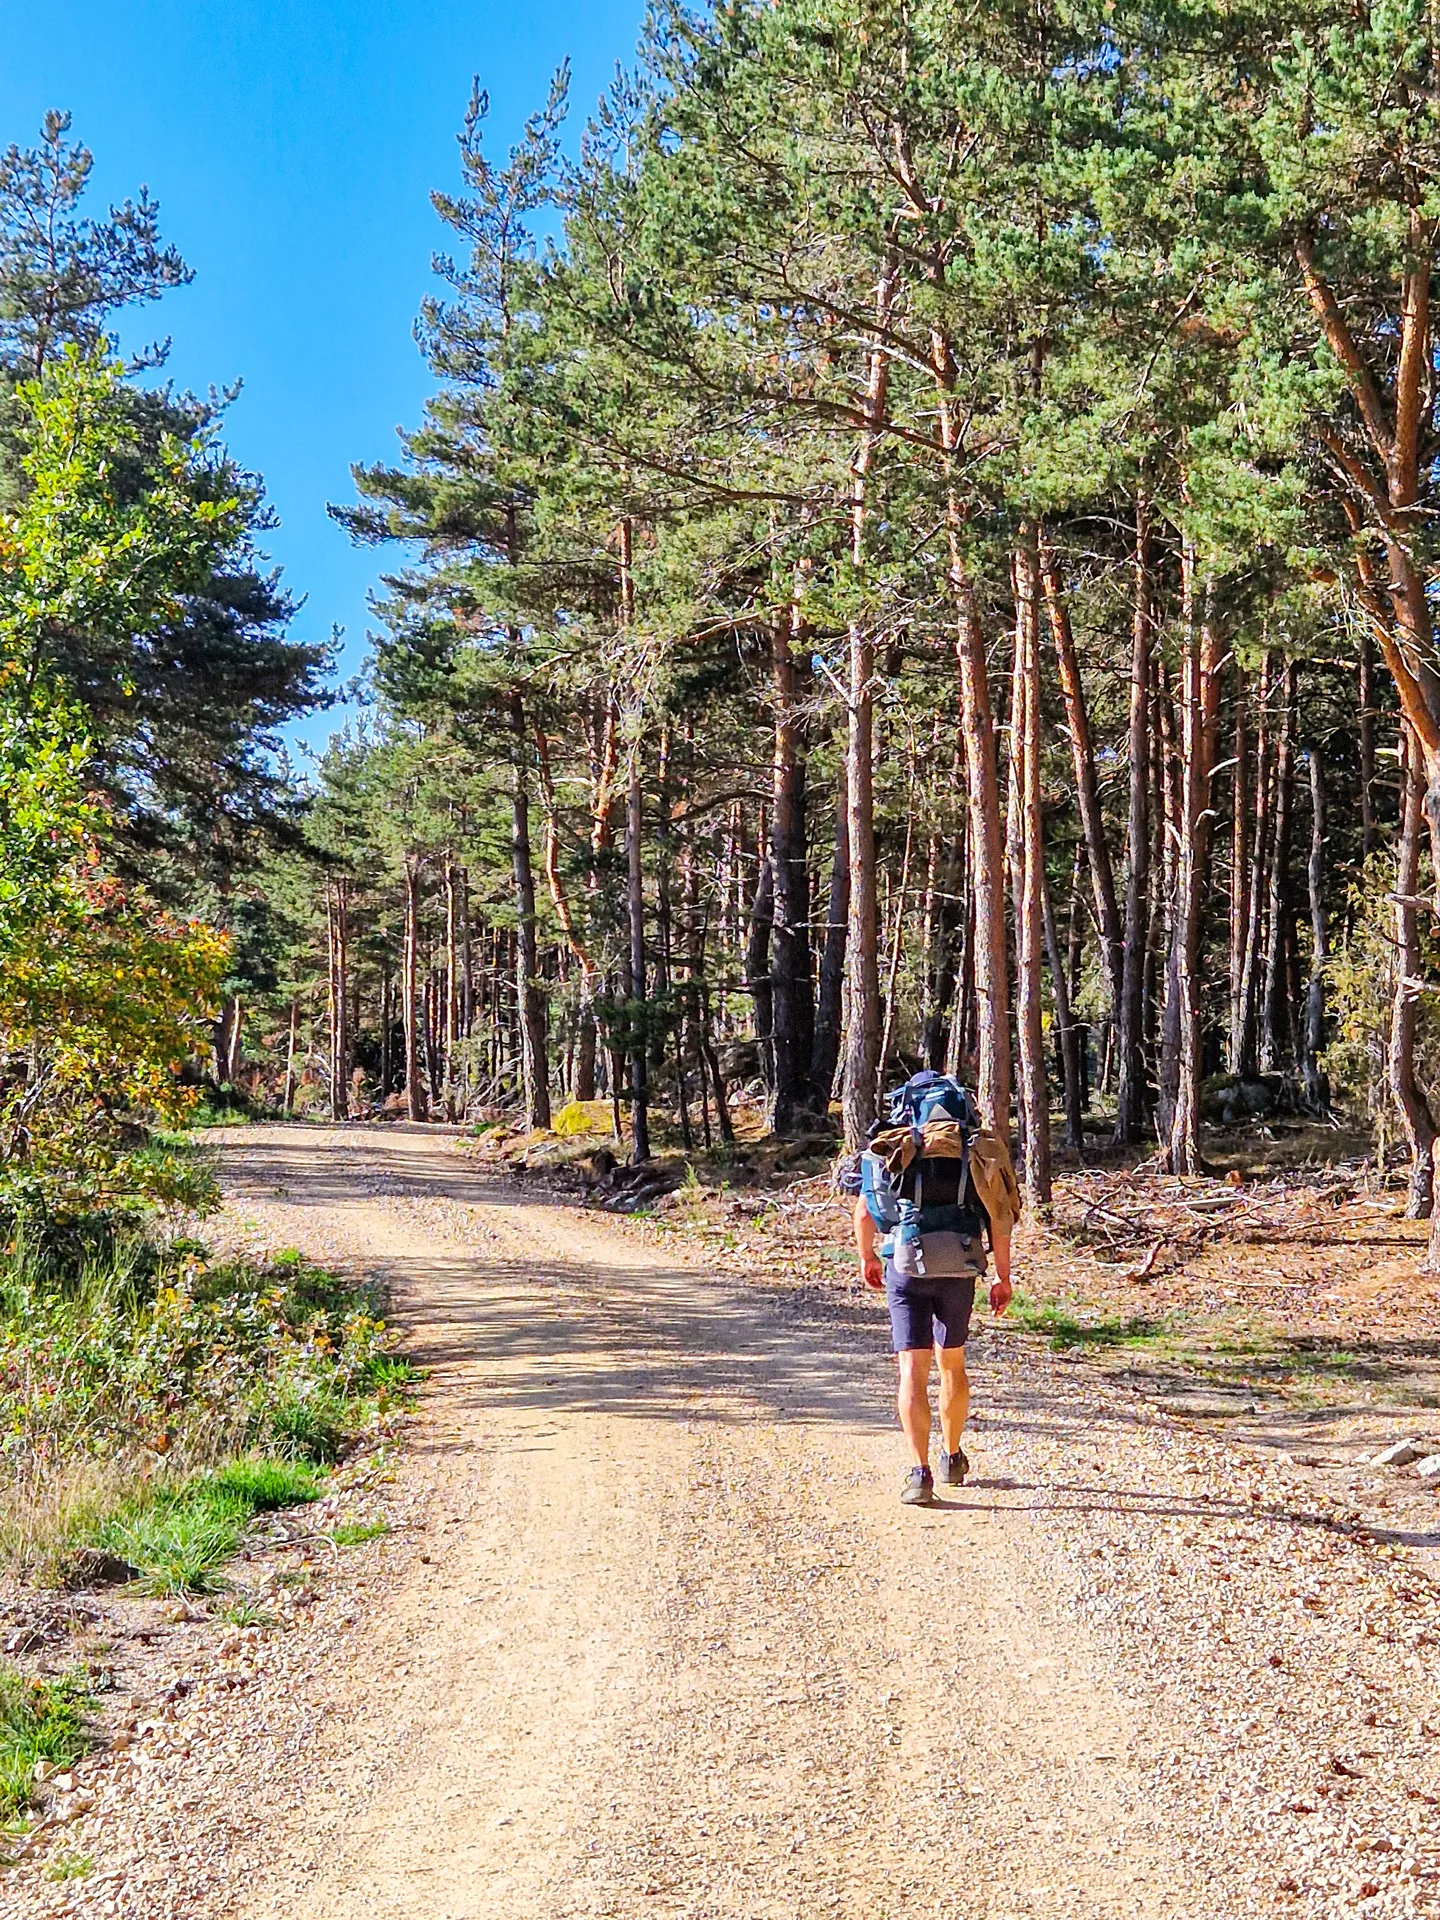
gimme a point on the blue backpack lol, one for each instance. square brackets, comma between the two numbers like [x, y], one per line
[933, 1096]
[924, 1097]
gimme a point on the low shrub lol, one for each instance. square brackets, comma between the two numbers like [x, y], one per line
[126, 1367]
[582, 1117]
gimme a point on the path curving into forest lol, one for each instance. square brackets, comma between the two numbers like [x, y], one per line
[664, 1642]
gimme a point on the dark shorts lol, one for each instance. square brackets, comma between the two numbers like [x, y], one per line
[933, 1312]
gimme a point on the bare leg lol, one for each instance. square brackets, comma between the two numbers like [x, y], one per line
[913, 1402]
[954, 1396]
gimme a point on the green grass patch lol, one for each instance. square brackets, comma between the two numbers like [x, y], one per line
[1223, 1350]
[1068, 1327]
[246, 1612]
[70, 1866]
[1320, 1363]
[353, 1533]
[263, 1485]
[178, 1537]
[224, 1106]
[39, 1720]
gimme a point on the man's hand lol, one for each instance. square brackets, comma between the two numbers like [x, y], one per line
[871, 1271]
[1000, 1296]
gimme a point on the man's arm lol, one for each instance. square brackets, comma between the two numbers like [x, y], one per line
[871, 1271]
[1001, 1291]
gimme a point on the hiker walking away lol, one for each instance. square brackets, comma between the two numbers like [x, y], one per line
[932, 1187]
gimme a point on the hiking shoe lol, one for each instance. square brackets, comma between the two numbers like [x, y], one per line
[953, 1468]
[919, 1488]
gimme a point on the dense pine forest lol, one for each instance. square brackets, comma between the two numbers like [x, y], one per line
[920, 548]
[920, 551]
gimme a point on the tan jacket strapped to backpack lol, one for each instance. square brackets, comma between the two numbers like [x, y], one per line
[991, 1173]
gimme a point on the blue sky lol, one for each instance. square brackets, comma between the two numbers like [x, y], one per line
[293, 147]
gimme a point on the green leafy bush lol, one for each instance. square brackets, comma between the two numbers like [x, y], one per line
[137, 1346]
[39, 1720]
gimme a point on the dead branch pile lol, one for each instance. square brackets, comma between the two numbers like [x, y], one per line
[1150, 1221]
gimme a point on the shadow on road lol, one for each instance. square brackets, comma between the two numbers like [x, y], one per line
[563, 1337]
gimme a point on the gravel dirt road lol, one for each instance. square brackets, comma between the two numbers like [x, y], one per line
[662, 1640]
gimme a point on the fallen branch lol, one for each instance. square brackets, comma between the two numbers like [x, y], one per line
[1139, 1275]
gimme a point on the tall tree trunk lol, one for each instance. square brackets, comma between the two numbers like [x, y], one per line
[220, 1031]
[288, 1104]
[931, 940]
[1415, 1115]
[412, 1013]
[887, 1031]
[1239, 875]
[637, 1011]
[1075, 955]
[1256, 887]
[1367, 743]
[1014, 824]
[585, 1048]
[1200, 694]
[1157, 922]
[948, 887]
[960, 1051]
[988, 947]
[452, 986]
[697, 993]
[691, 949]
[825, 1054]
[1167, 1066]
[757, 967]
[1130, 1082]
[1379, 491]
[1087, 786]
[862, 1037]
[731, 914]
[1069, 1033]
[710, 1063]
[930, 928]
[790, 967]
[584, 1079]
[339, 1001]
[1275, 1020]
[663, 956]
[635, 901]
[603, 767]
[433, 1029]
[235, 1038]
[1316, 1093]
[467, 966]
[1029, 903]
[530, 1000]
[692, 1036]
[387, 1017]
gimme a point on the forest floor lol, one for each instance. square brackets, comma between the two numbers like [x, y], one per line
[650, 1633]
